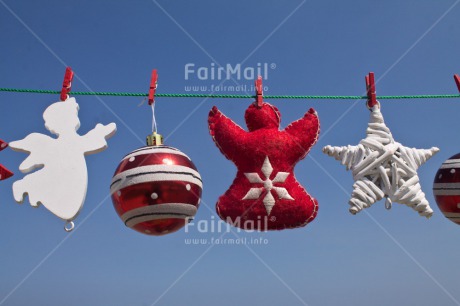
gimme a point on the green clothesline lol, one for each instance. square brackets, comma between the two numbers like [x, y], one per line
[187, 95]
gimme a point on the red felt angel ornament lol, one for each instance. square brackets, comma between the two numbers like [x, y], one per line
[265, 194]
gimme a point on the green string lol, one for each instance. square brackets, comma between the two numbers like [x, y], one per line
[133, 94]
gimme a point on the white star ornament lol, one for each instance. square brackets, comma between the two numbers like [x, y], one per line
[383, 168]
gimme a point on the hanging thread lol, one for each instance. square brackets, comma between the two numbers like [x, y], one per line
[154, 121]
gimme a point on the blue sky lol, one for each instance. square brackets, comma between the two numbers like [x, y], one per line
[378, 257]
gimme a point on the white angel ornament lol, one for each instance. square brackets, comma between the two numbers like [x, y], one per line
[61, 181]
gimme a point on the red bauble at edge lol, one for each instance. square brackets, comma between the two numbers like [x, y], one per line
[446, 188]
[156, 190]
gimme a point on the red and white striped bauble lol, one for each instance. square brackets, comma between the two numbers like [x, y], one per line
[446, 188]
[156, 190]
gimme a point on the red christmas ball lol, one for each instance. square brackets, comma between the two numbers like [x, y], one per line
[156, 190]
[446, 188]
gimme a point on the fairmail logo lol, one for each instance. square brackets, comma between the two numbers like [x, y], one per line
[227, 72]
[239, 224]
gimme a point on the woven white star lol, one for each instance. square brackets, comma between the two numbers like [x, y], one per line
[255, 192]
[382, 167]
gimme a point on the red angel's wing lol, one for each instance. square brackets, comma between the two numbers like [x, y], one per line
[305, 130]
[227, 135]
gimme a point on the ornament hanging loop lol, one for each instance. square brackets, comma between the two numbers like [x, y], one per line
[69, 226]
[375, 107]
[388, 203]
[259, 92]
[371, 95]
[66, 84]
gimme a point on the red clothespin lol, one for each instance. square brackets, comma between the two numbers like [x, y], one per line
[370, 86]
[4, 172]
[67, 84]
[457, 81]
[153, 86]
[3, 145]
[259, 92]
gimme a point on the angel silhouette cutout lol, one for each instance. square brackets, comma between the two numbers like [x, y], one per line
[61, 180]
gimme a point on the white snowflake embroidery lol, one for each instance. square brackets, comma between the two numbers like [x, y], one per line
[255, 192]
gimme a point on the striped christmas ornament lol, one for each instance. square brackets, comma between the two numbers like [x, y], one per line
[446, 188]
[156, 190]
